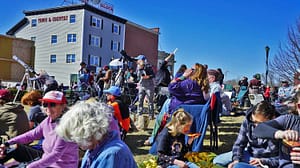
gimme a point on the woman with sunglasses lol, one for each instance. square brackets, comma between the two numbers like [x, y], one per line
[286, 127]
[56, 151]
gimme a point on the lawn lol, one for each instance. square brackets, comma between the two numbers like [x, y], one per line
[228, 130]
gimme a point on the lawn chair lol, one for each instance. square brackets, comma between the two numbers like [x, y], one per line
[205, 115]
[200, 122]
[214, 119]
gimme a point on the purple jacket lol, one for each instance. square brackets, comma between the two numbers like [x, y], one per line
[185, 92]
[57, 152]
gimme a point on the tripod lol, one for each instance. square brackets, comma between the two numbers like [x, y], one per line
[25, 76]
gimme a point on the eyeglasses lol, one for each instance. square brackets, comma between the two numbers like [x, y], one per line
[45, 104]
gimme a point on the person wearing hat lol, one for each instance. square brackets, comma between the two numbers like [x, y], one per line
[121, 111]
[284, 91]
[146, 87]
[56, 151]
[255, 84]
[13, 118]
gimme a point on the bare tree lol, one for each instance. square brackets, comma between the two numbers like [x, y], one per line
[287, 60]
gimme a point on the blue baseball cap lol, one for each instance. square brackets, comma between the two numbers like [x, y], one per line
[141, 57]
[113, 90]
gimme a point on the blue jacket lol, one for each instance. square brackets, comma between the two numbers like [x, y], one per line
[112, 153]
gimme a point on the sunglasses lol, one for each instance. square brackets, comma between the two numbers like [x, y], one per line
[46, 104]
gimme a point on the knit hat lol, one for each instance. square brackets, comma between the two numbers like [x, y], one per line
[54, 97]
[5, 94]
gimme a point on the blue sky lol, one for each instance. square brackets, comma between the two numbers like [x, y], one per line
[227, 34]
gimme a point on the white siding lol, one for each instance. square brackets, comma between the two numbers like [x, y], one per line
[43, 31]
[106, 33]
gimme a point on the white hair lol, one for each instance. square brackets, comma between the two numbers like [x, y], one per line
[85, 122]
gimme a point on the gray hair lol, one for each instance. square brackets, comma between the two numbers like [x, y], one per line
[85, 122]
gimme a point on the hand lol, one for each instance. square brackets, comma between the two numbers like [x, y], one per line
[192, 137]
[2, 151]
[233, 163]
[180, 163]
[187, 73]
[295, 155]
[290, 135]
[146, 77]
[255, 162]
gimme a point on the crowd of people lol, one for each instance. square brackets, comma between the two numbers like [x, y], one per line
[51, 133]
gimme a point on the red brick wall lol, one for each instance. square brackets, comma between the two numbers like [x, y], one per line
[141, 42]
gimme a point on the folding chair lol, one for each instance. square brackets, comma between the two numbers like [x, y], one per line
[214, 119]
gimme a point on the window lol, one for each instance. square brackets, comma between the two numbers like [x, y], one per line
[94, 60]
[33, 22]
[33, 38]
[72, 19]
[71, 38]
[116, 28]
[52, 58]
[96, 22]
[115, 46]
[70, 58]
[53, 39]
[95, 41]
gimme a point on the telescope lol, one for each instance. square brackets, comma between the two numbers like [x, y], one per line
[27, 67]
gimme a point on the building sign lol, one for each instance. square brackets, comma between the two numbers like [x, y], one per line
[52, 19]
[107, 7]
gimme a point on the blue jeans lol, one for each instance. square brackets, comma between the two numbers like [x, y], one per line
[225, 158]
[190, 165]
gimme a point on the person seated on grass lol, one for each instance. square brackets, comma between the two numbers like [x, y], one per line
[113, 96]
[286, 127]
[56, 151]
[13, 118]
[191, 88]
[36, 114]
[249, 149]
[88, 123]
[171, 146]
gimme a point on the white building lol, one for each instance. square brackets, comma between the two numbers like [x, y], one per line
[65, 36]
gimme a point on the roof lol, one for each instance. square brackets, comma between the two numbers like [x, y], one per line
[88, 7]
[20, 24]
[142, 27]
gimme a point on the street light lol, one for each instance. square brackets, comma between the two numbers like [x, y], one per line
[267, 48]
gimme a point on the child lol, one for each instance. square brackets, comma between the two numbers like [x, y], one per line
[171, 146]
[248, 148]
[284, 127]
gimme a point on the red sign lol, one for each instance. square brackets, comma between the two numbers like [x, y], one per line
[53, 19]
